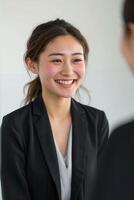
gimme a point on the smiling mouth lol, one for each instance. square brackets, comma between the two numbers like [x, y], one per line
[65, 82]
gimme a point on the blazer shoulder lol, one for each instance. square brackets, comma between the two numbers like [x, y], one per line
[92, 111]
[122, 134]
[95, 117]
[16, 125]
[123, 128]
[19, 113]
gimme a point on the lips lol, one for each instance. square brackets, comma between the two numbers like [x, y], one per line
[65, 82]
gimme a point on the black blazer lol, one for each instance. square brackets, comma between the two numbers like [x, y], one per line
[29, 162]
[116, 173]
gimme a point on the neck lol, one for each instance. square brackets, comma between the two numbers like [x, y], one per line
[57, 108]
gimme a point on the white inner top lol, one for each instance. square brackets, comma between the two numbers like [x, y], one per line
[65, 168]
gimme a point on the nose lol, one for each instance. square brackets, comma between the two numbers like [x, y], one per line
[67, 69]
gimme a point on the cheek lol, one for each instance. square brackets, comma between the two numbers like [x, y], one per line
[81, 71]
[133, 49]
[50, 71]
[123, 47]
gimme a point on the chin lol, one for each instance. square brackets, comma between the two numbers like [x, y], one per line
[67, 95]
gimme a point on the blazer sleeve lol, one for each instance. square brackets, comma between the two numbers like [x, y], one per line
[13, 162]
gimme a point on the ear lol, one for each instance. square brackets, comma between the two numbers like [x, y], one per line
[32, 66]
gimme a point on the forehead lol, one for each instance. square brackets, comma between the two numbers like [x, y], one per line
[64, 44]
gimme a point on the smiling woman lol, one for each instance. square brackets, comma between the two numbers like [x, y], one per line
[51, 147]
[43, 37]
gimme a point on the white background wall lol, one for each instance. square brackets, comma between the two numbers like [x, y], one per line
[110, 82]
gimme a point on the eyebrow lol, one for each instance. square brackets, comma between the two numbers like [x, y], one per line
[62, 54]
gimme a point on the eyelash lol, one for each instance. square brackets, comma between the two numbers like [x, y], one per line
[60, 61]
[56, 61]
[78, 60]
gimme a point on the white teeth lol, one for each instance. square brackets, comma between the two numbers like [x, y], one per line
[65, 82]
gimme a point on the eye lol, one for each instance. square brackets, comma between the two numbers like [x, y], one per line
[77, 60]
[57, 61]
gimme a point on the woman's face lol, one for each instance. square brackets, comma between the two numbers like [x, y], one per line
[128, 47]
[61, 67]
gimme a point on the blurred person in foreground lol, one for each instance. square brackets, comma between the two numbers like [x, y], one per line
[116, 175]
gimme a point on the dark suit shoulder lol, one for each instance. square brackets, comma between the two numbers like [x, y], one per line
[123, 131]
[19, 113]
[121, 139]
[94, 116]
[91, 110]
[98, 117]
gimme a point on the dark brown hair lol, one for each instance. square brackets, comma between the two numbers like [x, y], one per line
[128, 15]
[39, 39]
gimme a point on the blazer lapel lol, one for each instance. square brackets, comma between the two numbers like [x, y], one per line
[80, 132]
[43, 128]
